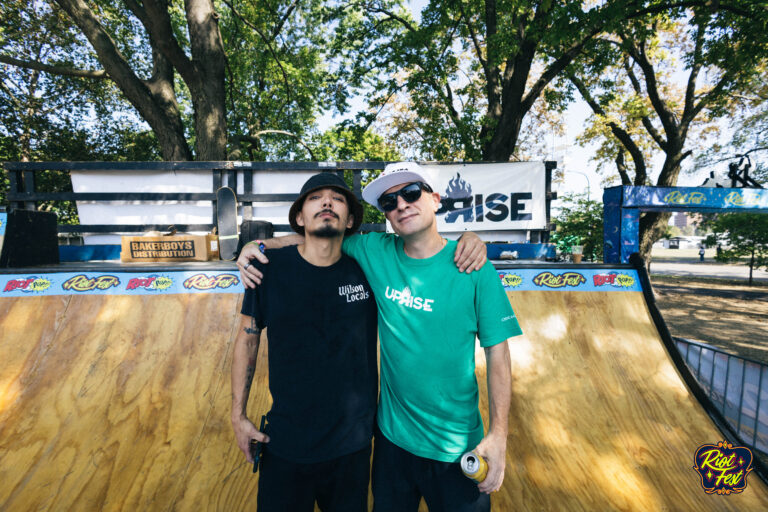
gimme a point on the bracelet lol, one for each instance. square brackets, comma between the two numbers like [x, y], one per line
[259, 243]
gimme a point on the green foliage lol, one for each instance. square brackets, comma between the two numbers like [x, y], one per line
[717, 49]
[347, 142]
[750, 132]
[740, 235]
[47, 117]
[279, 77]
[580, 222]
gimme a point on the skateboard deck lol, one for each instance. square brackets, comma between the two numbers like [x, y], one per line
[226, 215]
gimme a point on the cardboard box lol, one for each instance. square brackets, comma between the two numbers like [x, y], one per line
[170, 248]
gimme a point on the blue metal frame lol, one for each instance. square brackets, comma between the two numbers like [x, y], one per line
[622, 207]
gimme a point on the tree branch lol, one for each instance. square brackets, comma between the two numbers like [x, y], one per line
[255, 139]
[269, 47]
[473, 36]
[621, 135]
[399, 19]
[54, 69]
[279, 27]
[690, 89]
[666, 116]
[622, 168]
[157, 22]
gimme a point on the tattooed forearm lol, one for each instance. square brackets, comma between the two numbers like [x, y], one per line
[249, 372]
[252, 329]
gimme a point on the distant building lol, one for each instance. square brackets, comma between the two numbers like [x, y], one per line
[684, 219]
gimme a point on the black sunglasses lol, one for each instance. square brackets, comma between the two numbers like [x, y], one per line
[410, 193]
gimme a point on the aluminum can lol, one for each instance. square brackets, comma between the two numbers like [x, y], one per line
[474, 466]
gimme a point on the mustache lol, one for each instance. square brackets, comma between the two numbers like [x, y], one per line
[326, 211]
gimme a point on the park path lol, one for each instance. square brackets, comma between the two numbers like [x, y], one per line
[706, 269]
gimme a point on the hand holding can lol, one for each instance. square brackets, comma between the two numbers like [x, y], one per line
[474, 467]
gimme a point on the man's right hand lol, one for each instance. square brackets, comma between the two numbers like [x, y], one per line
[244, 432]
[249, 275]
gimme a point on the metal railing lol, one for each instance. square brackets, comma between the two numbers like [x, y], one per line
[737, 386]
[24, 193]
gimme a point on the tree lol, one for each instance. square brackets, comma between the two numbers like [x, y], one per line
[740, 234]
[48, 116]
[474, 69]
[627, 79]
[278, 77]
[750, 132]
[580, 222]
[246, 76]
[348, 142]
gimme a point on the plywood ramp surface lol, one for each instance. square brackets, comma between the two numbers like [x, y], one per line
[600, 417]
[122, 403]
[115, 403]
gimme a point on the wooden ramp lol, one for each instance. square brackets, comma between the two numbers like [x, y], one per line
[122, 403]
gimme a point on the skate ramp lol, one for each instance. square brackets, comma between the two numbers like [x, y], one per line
[120, 402]
[600, 417]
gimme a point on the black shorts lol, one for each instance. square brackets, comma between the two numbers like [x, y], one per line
[337, 485]
[400, 479]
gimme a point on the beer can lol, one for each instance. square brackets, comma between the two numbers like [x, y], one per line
[474, 466]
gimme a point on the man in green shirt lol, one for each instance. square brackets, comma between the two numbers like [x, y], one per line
[429, 317]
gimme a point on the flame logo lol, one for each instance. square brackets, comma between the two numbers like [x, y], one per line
[83, 283]
[458, 188]
[205, 282]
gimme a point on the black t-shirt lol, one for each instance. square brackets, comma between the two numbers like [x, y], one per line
[321, 331]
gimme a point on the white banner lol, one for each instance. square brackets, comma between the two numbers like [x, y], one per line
[491, 197]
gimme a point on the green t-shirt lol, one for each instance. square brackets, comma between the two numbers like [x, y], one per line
[429, 316]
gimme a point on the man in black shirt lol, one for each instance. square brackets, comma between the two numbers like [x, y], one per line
[321, 319]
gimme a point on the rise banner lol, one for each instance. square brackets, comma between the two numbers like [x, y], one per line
[491, 197]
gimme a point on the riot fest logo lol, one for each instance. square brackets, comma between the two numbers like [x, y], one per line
[613, 279]
[28, 285]
[206, 282]
[510, 280]
[566, 279]
[83, 283]
[723, 468]
[151, 283]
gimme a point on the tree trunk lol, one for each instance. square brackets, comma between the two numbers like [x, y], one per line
[751, 264]
[653, 225]
[161, 114]
[504, 140]
[207, 86]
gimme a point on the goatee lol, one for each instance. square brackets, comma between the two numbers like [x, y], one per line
[327, 232]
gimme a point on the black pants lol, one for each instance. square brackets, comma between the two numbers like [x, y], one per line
[400, 479]
[338, 485]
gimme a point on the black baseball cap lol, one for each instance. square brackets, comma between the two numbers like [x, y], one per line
[326, 180]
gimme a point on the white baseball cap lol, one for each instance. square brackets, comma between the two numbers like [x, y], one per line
[393, 175]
